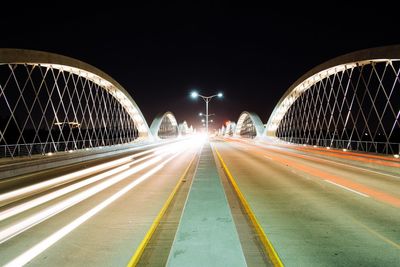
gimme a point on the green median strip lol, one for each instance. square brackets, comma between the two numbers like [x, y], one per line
[260, 231]
[206, 234]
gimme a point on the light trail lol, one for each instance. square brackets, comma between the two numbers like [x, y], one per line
[45, 198]
[69, 176]
[52, 239]
[78, 174]
[39, 217]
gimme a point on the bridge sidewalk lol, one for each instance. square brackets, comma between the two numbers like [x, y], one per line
[206, 234]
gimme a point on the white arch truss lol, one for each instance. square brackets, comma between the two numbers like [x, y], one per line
[156, 125]
[251, 118]
[64, 77]
[339, 102]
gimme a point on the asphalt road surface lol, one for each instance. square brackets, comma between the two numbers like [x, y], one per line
[97, 217]
[320, 210]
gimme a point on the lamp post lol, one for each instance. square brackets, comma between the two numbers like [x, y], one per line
[207, 99]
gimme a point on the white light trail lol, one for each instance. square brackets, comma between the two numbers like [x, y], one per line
[40, 200]
[37, 218]
[62, 179]
[73, 175]
[49, 241]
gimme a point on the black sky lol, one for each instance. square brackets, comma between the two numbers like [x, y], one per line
[159, 55]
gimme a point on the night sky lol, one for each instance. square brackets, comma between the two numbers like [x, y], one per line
[159, 55]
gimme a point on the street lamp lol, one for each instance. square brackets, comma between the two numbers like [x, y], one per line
[207, 99]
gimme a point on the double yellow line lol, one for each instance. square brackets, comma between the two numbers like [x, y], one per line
[139, 251]
[276, 261]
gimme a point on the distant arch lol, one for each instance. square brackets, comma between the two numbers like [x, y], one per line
[249, 125]
[230, 129]
[164, 126]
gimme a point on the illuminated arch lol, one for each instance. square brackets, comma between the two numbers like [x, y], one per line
[250, 123]
[166, 120]
[67, 76]
[184, 129]
[334, 92]
[230, 129]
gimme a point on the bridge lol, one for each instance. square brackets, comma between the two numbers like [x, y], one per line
[84, 180]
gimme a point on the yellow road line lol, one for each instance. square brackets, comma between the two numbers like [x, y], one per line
[139, 251]
[276, 261]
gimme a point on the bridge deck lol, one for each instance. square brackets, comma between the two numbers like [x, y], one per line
[206, 235]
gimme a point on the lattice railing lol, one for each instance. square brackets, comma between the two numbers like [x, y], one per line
[248, 130]
[355, 107]
[58, 109]
[167, 129]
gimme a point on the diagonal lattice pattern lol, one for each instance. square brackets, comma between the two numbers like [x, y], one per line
[168, 129]
[230, 129]
[248, 129]
[249, 125]
[356, 107]
[45, 109]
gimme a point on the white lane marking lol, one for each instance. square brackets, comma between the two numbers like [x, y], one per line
[268, 157]
[313, 157]
[367, 170]
[349, 189]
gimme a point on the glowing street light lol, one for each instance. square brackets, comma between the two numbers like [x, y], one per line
[207, 99]
[194, 94]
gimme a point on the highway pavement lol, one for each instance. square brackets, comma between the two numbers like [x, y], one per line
[95, 216]
[318, 210]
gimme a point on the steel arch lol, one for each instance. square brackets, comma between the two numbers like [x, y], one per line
[255, 119]
[318, 73]
[61, 67]
[349, 102]
[158, 120]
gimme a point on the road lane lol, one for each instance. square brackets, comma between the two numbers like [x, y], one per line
[312, 222]
[331, 169]
[375, 163]
[110, 236]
